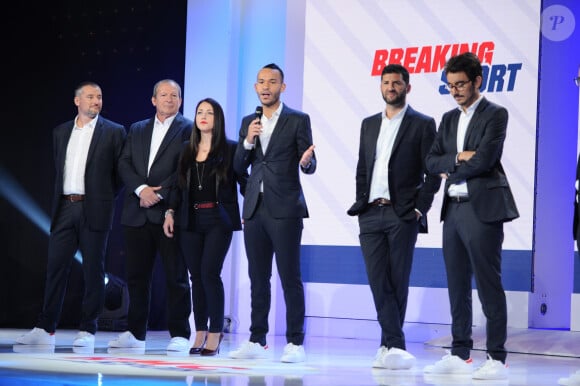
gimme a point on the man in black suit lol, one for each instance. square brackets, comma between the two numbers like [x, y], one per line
[148, 167]
[86, 152]
[478, 200]
[393, 194]
[277, 144]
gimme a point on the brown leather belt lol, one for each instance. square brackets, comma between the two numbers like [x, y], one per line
[459, 199]
[381, 202]
[73, 197]
[204, 205]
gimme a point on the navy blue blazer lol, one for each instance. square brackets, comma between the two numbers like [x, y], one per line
[226, 193]
[135, 160]
[410, 186]
[279, 167]
[487, 184]
[102, 182]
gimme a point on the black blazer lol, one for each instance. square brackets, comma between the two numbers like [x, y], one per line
[227, 195]
[133, 167]
[102, 182]
[410, 186]
[489, 190]
[278, 168]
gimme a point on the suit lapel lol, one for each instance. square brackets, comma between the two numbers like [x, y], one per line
[454, 129]
[474, 122]
[146, 137]
[277, 129]
[371, 151]
[95, 140]
[171, 133]
[63, 140]
[403, 128]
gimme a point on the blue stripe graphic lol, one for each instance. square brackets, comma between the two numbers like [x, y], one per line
[345, 265]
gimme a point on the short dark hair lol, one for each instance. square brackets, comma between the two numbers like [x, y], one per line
[274, 66]
[467, 62]
[84, 84]
[396, 69]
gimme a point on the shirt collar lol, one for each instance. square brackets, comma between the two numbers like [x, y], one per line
[168, 121]
[473, 106]
[398, 115]
[278, 110]
[91, 125]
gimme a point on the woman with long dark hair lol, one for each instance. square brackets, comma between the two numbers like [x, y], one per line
[203, 214]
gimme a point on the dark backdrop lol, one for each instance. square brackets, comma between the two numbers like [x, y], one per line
[47, 49]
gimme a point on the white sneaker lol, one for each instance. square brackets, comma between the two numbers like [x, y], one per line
[249, 350]
[84, 339]
[398, 359]
[572, 380]
[378, 361]
[450, 364]
[36, 336]
[126, 340]
[491, 369]
[178, 344]
[293, 354]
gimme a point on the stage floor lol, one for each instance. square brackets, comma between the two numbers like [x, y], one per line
[330, 361]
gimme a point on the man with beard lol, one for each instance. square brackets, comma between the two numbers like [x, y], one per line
[86, 153]
[393, 194]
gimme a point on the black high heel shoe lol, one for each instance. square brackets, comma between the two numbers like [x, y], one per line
[209, 353]
[198, 350]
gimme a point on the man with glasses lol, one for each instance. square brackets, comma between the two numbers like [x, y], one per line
[478, 200]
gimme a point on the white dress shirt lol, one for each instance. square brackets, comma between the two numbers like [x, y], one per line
[384, 149]
[460, 188]
[159, 131]
[77, 152]
[268, 125]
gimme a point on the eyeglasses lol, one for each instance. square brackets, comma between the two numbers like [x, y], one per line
[459, 86]
[577, 81]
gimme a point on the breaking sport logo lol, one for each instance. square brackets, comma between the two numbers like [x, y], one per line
[427, 59]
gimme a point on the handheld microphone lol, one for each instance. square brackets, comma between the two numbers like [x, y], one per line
[259, 112]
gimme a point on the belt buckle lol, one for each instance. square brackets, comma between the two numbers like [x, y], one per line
[195, 206]
[72, 197]
[383, 202]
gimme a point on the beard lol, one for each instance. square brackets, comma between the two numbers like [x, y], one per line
[397, 101]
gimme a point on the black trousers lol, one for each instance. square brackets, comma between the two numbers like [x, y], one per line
[71, 232]
[472, 248]
[205, 247]
[264, 237]
[387, 244]
[143, 243]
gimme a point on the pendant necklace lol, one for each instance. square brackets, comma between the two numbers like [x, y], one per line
[199, 179]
